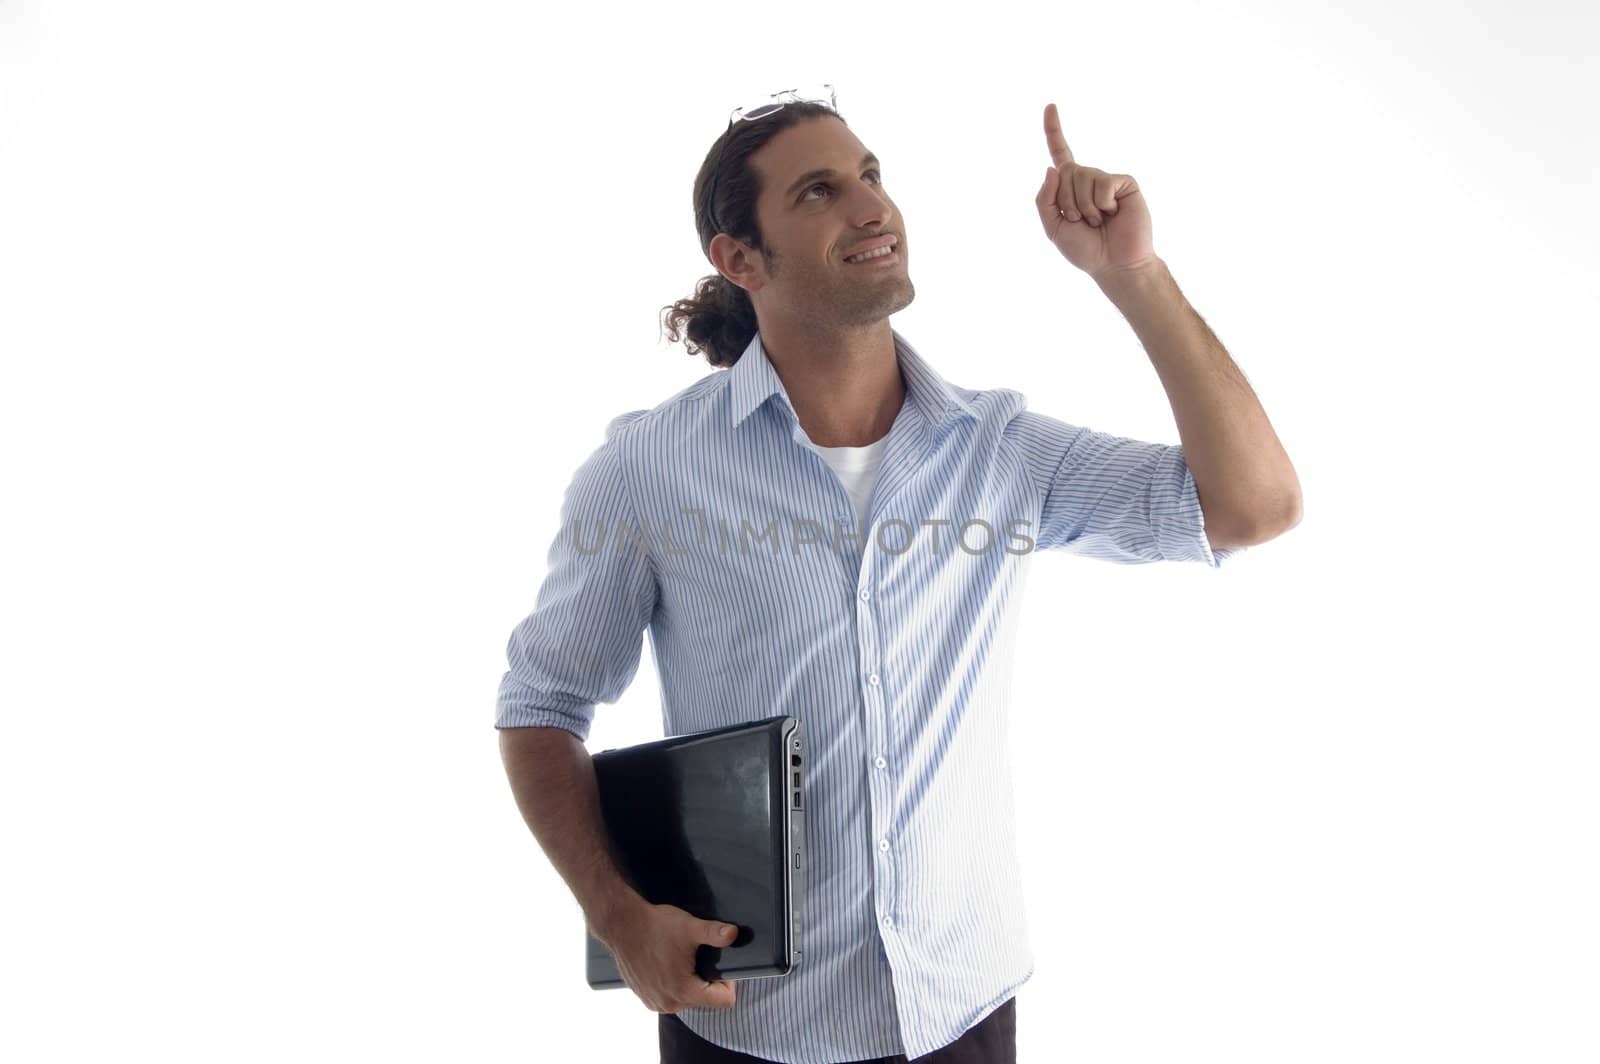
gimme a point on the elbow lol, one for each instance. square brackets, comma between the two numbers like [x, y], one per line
[1278, 520]
[1290, 509]
[1255, 528]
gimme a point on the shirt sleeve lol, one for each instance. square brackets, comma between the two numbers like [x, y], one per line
[1110, 497]
[582, 642]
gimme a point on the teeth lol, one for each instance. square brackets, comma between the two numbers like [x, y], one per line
[876, 253]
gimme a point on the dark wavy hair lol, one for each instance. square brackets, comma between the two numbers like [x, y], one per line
[719, 320]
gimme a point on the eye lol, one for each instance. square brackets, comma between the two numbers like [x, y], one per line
[824, 184]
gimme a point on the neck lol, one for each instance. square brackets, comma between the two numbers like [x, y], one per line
[846, 386]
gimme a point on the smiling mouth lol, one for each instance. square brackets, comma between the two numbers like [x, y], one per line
[880, 256]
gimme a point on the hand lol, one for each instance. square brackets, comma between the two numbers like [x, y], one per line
[655, 946]
[1097, 220]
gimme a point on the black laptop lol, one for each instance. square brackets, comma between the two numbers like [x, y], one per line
[711, 822]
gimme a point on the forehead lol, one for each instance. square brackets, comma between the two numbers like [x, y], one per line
[816, 143]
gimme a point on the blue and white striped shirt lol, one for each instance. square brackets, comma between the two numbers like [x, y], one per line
[713, 521]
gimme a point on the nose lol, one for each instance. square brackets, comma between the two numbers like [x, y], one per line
[873, 207]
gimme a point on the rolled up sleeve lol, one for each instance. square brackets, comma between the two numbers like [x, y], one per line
[582, 643]
[1111, 497]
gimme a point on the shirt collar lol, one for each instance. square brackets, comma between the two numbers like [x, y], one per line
[753, 381]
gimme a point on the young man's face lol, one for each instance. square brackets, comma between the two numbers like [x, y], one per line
[810, 226]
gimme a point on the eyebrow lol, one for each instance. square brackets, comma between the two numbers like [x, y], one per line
[816, 175]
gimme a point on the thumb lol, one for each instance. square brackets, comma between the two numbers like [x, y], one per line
[1049, 213]
[720, 934]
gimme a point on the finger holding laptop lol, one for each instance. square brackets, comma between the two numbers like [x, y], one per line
[655, 946]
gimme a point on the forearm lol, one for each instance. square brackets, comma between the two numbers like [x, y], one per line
[1243, 476]
[552, 777]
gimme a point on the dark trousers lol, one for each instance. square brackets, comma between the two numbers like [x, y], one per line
[992, 1041]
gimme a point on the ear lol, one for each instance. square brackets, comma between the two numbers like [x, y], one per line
[737, 262]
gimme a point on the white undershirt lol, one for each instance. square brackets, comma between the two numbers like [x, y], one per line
[857, 469]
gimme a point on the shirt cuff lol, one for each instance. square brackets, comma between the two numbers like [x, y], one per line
[513, 709]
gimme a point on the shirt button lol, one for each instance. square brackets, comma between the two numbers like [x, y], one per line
[880, 762]
[865, 594]
[883, 844]
[888, 921]
[873, 679]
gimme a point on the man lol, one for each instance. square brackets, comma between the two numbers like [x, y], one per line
[831, 530]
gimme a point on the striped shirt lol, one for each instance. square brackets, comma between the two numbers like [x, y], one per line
[713, 521]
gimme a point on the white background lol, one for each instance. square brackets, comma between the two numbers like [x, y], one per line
[309, 311]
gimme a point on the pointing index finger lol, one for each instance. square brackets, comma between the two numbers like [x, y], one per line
[1060, 154]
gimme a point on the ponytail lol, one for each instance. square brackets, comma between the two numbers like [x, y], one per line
[718, 321]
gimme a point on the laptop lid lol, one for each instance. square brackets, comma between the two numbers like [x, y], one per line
[711, 822]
